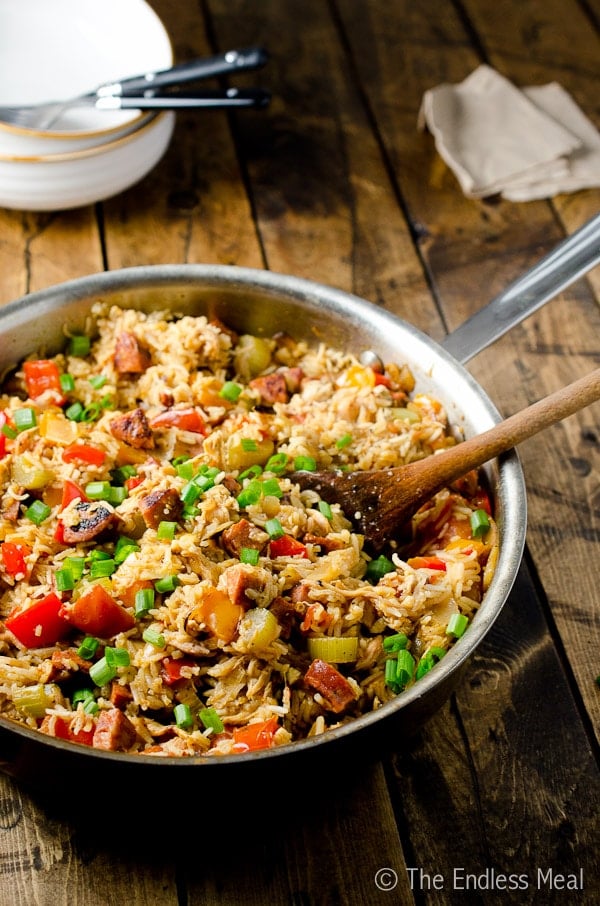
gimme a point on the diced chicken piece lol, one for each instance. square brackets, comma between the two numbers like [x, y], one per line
[90, 519]
[334, 688]
[131, 357]
[114, 731]
[271, 387]
[133, 429]
[161, 505]
[243, 534]
[325, 543]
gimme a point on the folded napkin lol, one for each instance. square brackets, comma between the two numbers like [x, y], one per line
[522, 144]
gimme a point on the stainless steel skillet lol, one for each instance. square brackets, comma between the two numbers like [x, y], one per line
[264, 302]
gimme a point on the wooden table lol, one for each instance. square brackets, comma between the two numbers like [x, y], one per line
[334, 182]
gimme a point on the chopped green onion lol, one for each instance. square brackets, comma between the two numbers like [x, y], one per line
[252, 471]
[325, 509]
[91, 412]
[395, 642]
[305, 464]
[102, 568]
[429, 659]
[377, 569]
[97, 490]
[249, 555]
[230, 391]
[98, 554]
[179, 460]
[81, 695]
[98, 381]
[88, 648]
[38, 512]
[123, 548]
[143, 601]
[25, 418]
[91, 706]
[190, 512]
[79, 345]
[272, 488]
[166, 530]
[67, 383]
[343, 441]
[116, 495]
[480, 523]
[211, 720]
[119, 476]
[249, 445]
[185, 470]
[251, 493]
[183, 716]
[65, 580]
[190, 493]
[204, 482]
[9, 432]
[276, 463]
[457, 624]
[74, 412]
[405, 667]
[391, 666]
[102, 672]
[153, 637]
[117, 657]
[166, 584]
[75, 565]
[274, 529]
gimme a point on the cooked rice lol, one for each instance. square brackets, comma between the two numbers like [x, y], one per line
[197, 685]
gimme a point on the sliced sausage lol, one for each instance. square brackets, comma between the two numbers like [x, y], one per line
[91, 518]
[241, 579]
[243, 534]
[161, 505]
[325, 543]
[334, 688]
[271, 387]
[131, 357]
[114, 731]
[134, 429]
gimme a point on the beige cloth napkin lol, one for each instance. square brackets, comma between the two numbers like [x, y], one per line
[522, 144]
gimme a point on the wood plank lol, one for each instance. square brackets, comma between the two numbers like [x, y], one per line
[325, 206]
[193, 207]
[465, 246]
[508, 801]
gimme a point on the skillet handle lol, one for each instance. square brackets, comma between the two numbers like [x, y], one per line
[571, 259]
[191, 71]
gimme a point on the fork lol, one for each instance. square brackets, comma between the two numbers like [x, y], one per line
[143, 88]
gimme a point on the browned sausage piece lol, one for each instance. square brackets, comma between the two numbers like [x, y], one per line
[114, 731]
[94, 517]
[329, 682]
[239, 580]
[131, 357]
[161, 505]
[272, 388]
[120, 695]
[64, 664]
[133, 429]
[326, 544]
[243, 534]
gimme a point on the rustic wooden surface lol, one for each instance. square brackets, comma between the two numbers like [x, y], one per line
[334, 182]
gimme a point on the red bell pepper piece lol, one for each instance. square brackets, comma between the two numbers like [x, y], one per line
[13, 557]
[71, 491]
[170, 669]
[93, 456]
[287, 546]
[255, 736]
[42, 375]
[62, 730]
[427, 563]
[97, 613]
[40, 624]
[186, 419]
[133, 482]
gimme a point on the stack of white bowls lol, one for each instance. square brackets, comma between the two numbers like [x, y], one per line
[52, 51]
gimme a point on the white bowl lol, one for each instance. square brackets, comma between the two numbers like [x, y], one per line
[55, 49]
[59, 181]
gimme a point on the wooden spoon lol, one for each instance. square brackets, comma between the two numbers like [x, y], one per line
[379, 502]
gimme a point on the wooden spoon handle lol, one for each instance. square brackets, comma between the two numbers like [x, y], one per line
[474, 452]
